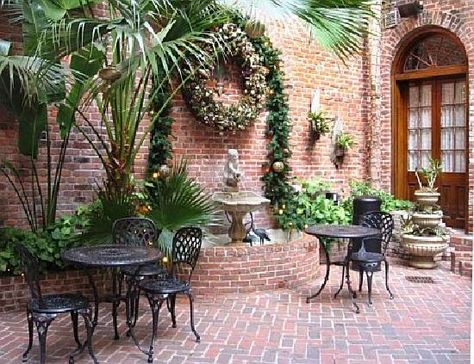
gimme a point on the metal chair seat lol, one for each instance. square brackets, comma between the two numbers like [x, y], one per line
[367, 257]
[145, 271]
[58, 303]
[164, 287]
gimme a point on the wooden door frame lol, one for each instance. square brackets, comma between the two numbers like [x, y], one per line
[399, 108]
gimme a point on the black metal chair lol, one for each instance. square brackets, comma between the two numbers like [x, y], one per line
[372, 251]
[43, 309]
[185, 251]
[135, 231]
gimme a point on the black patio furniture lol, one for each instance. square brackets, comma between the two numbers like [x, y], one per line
[43, 309]
[345, 232]
[111, 256]
[135, 231]
[371, 254]
[185, 253]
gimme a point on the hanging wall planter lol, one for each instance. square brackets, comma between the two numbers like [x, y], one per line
[344, 142]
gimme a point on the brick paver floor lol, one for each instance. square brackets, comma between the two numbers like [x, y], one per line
[425, 323]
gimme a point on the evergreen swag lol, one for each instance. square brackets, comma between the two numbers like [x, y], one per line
[277, 187]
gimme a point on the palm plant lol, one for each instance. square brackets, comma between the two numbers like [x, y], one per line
[115, 54]
[176, 201]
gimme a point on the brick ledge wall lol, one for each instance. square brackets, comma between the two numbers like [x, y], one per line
[219, 270]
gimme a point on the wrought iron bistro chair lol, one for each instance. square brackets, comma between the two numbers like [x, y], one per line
[369, 257]
[185, 251]
[136, 231]
[43, 309]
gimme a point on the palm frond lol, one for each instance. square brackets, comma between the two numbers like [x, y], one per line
[177, 201]
[339, 25]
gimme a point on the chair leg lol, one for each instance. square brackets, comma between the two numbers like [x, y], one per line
[191, 314]
[29, 318]
[172, 309]
[42, 323]
[74, 319]
[137, 304]
[386, 279]
[87, 315]
[361, 279]
[369, 285]
[342, 281]
[155, 305]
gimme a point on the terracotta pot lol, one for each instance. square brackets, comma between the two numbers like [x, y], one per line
[423, 249]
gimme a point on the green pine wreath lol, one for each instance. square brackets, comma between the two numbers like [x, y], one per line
[201, 99]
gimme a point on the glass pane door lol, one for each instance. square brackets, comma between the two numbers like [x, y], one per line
[453, 126]
[419, 125]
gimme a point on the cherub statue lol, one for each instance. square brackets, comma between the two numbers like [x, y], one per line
[232, 172]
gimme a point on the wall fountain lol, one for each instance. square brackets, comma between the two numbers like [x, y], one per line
[234, 202]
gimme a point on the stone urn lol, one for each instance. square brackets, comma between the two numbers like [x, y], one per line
[423, 249]
[426, 197]
[427, 219]
[423, 244]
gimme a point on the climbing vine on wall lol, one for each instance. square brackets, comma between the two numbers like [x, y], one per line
[276, 175]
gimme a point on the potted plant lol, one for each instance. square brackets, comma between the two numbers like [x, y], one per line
[428, 195]
[344, 142]
[319, 124]
[423, 242]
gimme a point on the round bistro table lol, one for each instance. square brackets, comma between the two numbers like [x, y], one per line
[111, 256]
[326, 231]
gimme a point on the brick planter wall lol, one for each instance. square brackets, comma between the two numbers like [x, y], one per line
[219, 270]
[258, 268]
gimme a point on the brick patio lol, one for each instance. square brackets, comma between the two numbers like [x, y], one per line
[426, 323]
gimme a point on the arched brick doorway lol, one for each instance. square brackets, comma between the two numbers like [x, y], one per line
[430, 117]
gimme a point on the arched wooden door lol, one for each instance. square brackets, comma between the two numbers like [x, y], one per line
[430, 118]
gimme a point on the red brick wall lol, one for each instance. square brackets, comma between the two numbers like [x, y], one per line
[307, 66]
[457, 16]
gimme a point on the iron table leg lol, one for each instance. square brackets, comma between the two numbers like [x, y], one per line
[326, 278]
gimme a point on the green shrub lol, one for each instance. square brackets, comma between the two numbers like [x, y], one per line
[47, 245]
[310, 207]
[389, 202]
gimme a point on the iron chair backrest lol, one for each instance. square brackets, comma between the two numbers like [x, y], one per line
[382, 221]
[30, 266]
[134, 231]
[186, 247]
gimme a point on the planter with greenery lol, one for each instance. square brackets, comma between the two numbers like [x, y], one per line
[344, 142]
[319, 125]
[423, 236]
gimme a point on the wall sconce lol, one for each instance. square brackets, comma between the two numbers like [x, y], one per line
[411, 9]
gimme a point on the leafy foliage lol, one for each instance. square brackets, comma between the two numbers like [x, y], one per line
[176, 201]
[389, 203]
[310, 207]
[47, 245]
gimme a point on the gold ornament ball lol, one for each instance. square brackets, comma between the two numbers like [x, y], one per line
[278, 166]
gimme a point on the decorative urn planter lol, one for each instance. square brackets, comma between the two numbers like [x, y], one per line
[426, 198]
[423, 249]
[427, 219]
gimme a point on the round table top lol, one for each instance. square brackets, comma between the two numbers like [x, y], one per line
[112, 255]
[341, 231]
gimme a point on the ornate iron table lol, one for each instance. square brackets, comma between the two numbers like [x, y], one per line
[111, 256]
[324, 231]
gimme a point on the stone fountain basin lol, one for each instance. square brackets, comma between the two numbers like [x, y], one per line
[242, 201]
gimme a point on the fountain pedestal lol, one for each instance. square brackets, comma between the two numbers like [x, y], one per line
[237, 205]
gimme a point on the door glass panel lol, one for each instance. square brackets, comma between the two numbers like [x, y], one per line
[453, 126]
[419, 126]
